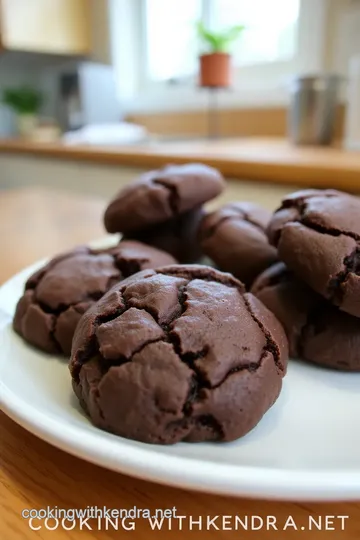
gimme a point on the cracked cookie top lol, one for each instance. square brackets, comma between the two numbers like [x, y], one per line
[159, 196]
[178, 353]
[317, 234]
[317, 331]
[234, 237]
[59, 293]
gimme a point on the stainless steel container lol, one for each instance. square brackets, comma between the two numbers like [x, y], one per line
[311, 118]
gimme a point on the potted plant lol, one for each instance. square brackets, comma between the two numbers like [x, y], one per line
[25, 102]
[215, 64]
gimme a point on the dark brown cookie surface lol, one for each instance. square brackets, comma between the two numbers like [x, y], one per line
[58, 294]
[179, 236]
[317, 331]
[162, 195]
[180, 353]
[317, 234]
[234, 238]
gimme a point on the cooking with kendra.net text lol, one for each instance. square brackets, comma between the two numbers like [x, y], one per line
[103, 518]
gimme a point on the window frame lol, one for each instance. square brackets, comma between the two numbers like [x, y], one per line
[254, 85]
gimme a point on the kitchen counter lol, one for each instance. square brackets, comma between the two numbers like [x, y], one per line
[265, 159]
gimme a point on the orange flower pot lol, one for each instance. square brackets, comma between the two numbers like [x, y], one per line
[215, 70]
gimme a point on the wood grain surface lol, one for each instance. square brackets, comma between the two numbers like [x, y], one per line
[33, 474]
[268, 159]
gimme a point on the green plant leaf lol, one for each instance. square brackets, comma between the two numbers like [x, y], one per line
[234, 33]
[219, 42]
[23, 100]
[207, 36]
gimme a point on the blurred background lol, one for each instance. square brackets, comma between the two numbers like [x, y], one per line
[136, 83]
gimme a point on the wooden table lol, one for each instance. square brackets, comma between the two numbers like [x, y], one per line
[33, 474]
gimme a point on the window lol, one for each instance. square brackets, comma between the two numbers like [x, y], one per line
[170, 37]
[155, 43]
[271, 28]
[171, 41]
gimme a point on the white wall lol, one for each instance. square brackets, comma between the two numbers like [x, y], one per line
[344, 39]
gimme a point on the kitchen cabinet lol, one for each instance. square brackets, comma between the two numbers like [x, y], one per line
[46, 26]
[101, 31]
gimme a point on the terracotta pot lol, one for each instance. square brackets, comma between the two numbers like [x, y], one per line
[215, 70]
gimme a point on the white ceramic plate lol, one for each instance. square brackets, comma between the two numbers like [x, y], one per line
[306, 447]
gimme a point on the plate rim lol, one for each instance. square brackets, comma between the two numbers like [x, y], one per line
[199, 475]
[147, 464]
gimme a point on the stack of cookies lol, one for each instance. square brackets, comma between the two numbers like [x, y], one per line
[164, 208]
[303, 263]
[165, 349]
[315, 290]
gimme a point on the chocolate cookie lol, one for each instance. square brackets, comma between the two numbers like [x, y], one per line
[58, 294]
[177, 236]
[180, 353]
[162, 195]
[163, 208]
[317, 331]
[234, 238]
[317, 234]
